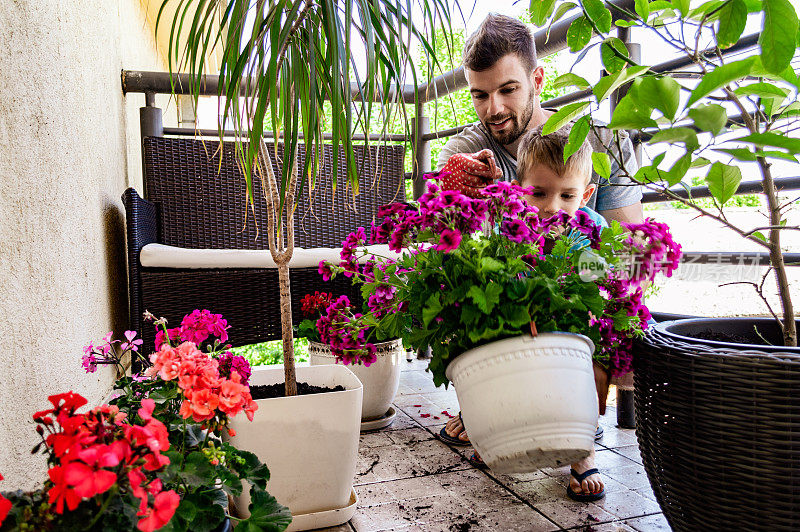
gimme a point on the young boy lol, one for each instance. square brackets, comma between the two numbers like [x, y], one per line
[559, 186]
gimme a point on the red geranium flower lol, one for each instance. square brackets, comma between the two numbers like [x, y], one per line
[162, 511]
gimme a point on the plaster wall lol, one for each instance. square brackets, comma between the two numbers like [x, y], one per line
[69, 146]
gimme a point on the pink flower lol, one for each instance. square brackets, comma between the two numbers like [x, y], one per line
[449, 240]
[131, 344]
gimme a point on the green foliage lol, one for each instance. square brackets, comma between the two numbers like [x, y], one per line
[271, 352]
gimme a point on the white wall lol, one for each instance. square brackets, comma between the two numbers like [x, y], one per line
[69, 146]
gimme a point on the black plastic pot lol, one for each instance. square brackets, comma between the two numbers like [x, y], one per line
[718, 424]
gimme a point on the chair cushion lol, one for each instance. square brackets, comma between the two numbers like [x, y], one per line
[162, 256]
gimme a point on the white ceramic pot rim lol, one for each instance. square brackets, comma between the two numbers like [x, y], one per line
[568, 336]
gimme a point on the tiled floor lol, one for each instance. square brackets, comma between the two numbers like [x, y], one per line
[409, 480]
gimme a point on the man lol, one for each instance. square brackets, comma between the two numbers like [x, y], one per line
[505, 83]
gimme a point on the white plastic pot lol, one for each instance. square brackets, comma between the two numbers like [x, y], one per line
[309, 442]
[381, 379]
[528, 402]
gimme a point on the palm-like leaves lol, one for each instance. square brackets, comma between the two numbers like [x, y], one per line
[281, 60]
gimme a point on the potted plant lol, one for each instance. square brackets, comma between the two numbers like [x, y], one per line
[153, 456]
[369, 342]
[279, 63]
[508, 325]
[732, 115]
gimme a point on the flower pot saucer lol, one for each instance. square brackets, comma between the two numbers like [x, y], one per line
[326, 518]
[381, 422]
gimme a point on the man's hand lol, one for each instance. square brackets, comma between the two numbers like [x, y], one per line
[468, 173]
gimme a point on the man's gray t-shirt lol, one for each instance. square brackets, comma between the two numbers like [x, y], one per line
[613, 193]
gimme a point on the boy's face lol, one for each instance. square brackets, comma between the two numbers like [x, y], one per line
[553, 192]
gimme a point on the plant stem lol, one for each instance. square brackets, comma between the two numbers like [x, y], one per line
[110, 495]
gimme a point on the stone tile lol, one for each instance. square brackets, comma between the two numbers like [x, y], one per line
[615, 437]
[628, 503]
[410, 399]
[630, 451]
[607, 460]
[403, 389]
[415, 364]
[427, 413]
[374, 439]
[614, 526]
[632, 476]
[374, 494]
[341, 528]
[650, 523]
[516, 478]
[646, 492]
[401, 421]
[541, 491]
[568, 513]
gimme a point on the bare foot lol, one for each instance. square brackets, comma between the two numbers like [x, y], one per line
[591, 484]
[455, 429]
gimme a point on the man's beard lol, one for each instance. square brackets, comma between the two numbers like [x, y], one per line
[517, 129]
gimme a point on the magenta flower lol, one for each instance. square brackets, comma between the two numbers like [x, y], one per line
[325, 271]
[131, 344]
[449, 240]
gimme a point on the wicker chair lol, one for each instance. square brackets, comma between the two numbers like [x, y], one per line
[194, 200]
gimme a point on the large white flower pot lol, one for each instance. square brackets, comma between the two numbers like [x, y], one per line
[309, 442]
[381, 379]
[528, 402]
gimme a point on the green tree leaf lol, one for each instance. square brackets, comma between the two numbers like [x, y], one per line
[579, 33]
[711, 117]
[561, 117]
[611, 60]
[723, 181]
[642, 8]
[599, 14]
[682, 6]
[561, 10]
[775, 140]
[577, 136]
[541, 10]
[493, 292]
[778, 39]
[601, 164]
[732, 19]
[743, 154]
[677, 134]
[608, 84]
[629, 115]
[660, 93]
[763, 90]
[721, 76]
[570, 80]
[678, 170]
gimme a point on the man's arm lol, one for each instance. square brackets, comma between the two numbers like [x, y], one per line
[631, 214]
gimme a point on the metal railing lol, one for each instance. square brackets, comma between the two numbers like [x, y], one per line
[152, 83]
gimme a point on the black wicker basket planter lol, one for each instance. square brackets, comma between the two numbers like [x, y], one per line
[719, 426]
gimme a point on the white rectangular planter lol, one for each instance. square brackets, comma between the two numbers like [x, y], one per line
[309, 442]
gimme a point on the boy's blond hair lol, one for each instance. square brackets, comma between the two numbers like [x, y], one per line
[548, 150]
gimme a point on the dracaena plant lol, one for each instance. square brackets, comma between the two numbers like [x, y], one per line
[473, 271]
[280, 61]
[732, 111]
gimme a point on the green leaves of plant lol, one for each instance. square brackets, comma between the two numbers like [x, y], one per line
[577, 135]
[721, 76]
[540, 10]
[659, 93]
[710, 117]
[266, 514]
[642, 8]
[579, 33]
[723, 181]
[611, 59]
[601, 164]
[561, 117]
[778, 39]
[629, 115]
[599, 14]
[608, 84]
[570, 80]
[682, 6]
[677, 134]
[433, 306]
[486, 298]
[732, 19]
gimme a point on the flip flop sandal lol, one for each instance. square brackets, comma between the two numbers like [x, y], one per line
[477, 462]
[450, 440]
[584, 497]
[598, 433]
